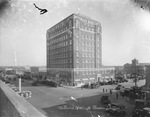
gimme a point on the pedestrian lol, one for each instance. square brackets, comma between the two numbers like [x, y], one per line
[110, 91]
[106, 90]
[103, 90]
[123, 95]
[117, 95]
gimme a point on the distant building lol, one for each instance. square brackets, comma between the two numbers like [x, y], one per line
[34, 70]
[147, 84]
[135, 68]
[74, 50]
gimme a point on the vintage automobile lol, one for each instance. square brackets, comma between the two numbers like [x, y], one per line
[51, 83]
[119, 87]
[105, 100]
[116, 109]
[139, 105]
[146, 112]
[86, 85]
[143, 112]
[94, 85]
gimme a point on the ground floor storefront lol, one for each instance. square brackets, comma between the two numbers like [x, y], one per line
[80, 76]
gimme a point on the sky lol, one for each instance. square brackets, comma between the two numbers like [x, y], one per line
[125, 29]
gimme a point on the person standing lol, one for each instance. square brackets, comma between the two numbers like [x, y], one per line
[110, 91]
[103, 90]
[123, 95]
[117, 95]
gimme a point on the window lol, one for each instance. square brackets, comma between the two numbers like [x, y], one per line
[66, 43]
[70, 48]
[82, 54]
[70, 24]
[86, 49]
[90, 55]
[77, 54]
[77, 48]
[66, 36]
[82, 48]
[77, 73]
[70, 60]
[70, 54]
[77, 35]
[77, 41]
[77, 60]
[70, 41]
[86, 54]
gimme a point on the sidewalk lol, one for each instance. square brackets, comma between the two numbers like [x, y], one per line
[69, 87]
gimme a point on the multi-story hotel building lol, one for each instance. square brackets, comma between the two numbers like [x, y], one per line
[74, 50]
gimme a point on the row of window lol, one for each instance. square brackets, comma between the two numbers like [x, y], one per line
[60, 66]
[84, 26]
[56, 32]
[85, 66]
[88, 27]
[85, 73]
[59, 28]
[60, 45]
[88, 66]
[85, 36]
[60, 51]
[60, 55]
[94, 72]
[59, 39]
[60, 61]
[85, 54]
[85, 60]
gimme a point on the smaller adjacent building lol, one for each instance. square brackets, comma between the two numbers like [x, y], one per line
[106, 73]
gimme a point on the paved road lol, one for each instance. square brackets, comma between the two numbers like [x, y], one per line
[57, 102]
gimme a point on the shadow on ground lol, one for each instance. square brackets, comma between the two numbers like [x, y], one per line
[83, 107]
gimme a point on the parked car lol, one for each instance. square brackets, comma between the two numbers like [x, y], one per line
[146, 111]
[86, 85]
[124, 80]
[94, 85]
[119, 87]
[116, 109]
[6, 81]
[51, 83]
[105, 100]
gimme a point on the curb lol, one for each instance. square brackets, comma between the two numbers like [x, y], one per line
[68, 87]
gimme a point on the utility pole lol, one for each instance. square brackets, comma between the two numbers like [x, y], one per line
[135, 77]
[20, 83]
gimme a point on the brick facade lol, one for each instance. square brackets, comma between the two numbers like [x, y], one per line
[74, 50]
